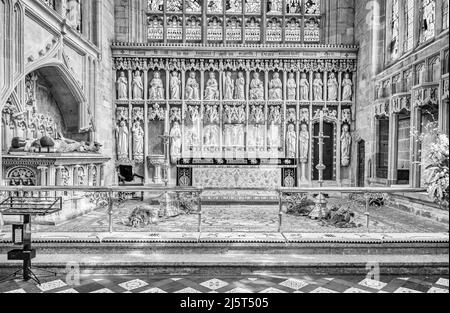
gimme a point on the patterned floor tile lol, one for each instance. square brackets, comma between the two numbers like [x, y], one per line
[153, 290]
[71, 290]
[295, 284]
[214, 284]
[104, 290]
[406, 290]
[323, 290]
[188, 290]
[272, 290]
[375, 284]
[437, 290]
[133, 284]
[442, 282]
[356, 290]
[16, 291]
[52, 285]
[239, 290]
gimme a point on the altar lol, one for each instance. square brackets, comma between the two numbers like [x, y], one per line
[237, 173]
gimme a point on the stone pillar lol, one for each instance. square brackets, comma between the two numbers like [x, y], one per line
[393, 150]
[415, 147]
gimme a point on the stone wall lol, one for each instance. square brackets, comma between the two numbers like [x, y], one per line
[104, 108]
[369, 37]
[339, 24]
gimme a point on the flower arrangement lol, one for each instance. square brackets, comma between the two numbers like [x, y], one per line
[437, 170]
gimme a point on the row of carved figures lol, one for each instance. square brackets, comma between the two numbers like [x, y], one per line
[235, 88]
[233, 134]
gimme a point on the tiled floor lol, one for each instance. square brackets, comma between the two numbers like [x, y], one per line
[237, 284]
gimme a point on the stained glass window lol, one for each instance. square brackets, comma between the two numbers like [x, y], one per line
[395, 29]
[252, 6]
[233, 6]
[237, 21]
[193, 6]
[409, 22]
[293, 6]
[175, 6]
[155, 5]
[215, 6]
[428, 20]
[312, 7]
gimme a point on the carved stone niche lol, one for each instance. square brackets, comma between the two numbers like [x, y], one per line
[381, 109]
[426, 94]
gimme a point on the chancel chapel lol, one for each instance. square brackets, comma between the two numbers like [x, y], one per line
[221, 94]
[196, 123]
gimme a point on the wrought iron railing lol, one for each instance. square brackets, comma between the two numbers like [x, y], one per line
[111, 197]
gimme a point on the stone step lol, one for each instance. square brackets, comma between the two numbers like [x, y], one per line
[238, 263]
[224, 243]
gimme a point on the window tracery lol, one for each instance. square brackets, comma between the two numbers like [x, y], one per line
[236, 21]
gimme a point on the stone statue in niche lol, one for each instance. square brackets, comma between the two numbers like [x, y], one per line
[333, 87]
[192, 88]
[318, 88]
[304, 143]
[176, 141]
[276, 88]
[229, 87]
[138, 86]
[122, 141]
[73, 13]
[291, 87]
[256, 88]
[240, 87]
[212, 88]
[291, 142]
[175, 87]
[138, 141]
[274, 127]
[304, 87]
[348, 88]
[346, 144]
[122, 87]
[156, 87]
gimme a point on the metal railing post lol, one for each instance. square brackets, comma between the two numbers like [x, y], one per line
[199, 229]
[367, 213]
[110, 211]
[280, 211]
